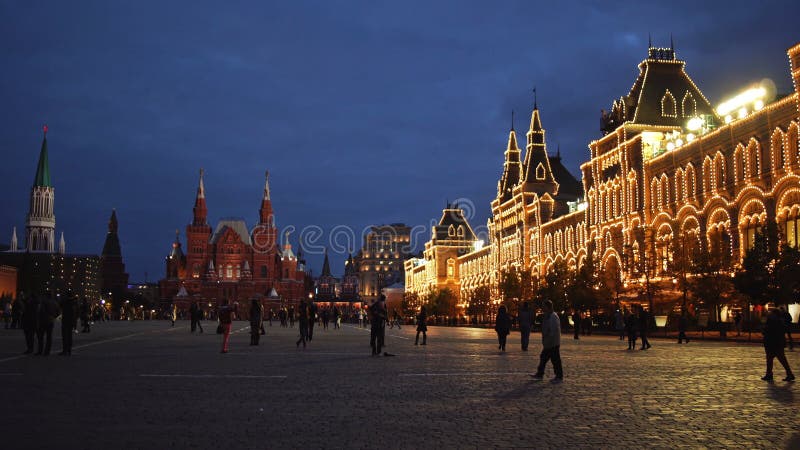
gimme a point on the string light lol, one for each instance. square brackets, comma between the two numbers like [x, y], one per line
[615, 213]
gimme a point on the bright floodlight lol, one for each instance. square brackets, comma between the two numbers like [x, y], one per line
[745, 98]
[694, 124]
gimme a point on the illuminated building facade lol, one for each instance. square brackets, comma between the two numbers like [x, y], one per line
[230, 262]
[669, 166]
[380, 262]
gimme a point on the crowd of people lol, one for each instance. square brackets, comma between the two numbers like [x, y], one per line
[37, 316]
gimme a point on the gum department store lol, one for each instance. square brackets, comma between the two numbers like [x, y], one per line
[669, 166]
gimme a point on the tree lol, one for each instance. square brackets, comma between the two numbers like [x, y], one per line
[787, 275]
[754, 279]
[554, 288]
[479, 302]
[441, 302]
[587, 287]
[710, 281]
[510, 287]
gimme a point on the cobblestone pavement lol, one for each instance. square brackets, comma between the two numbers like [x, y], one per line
[148, 385]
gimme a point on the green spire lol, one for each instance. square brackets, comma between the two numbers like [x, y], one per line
[43, 169]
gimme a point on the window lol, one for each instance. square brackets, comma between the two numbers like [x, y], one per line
[689, 105]
[791, 230]
[229, 271]
[668, 108]
[540, 172]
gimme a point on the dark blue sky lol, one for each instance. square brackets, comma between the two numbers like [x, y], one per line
[364, 112]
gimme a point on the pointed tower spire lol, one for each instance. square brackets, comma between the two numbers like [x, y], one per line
[62, 246]
[649, 41]
[671, 43]
[538, 176]
[200, 210]
[42, 177]
[265, 212]
[512, 120]
[40, 226]
[111, 246]
[535, 99]
[326, 266]
[512, 168]
[266, 185]
[14, 239]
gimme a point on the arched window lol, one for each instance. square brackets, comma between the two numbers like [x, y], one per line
[451, 231]
[460, 232]
[719, 171]
[451, 268]
[664, 191]
[690, 181]
[668, 108]
[778, 157]
[707, 176]
[688, 105]
[229, 271]
[540, 172]
[753, 159]
[738, 164]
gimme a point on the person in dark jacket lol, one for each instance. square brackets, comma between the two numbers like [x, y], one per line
[774, 341]
[683, 323]
[68, 317]
[226, 316]
[630, 329]
[256, 320]
[377, 320]
[312, 318]
[86, 316]
[302, 322]
[502, 326]
[644, 325]
[48, 311]
[30, 321]
[422, 326]
[525, 319]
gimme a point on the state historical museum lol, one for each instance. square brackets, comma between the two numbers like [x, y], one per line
[231, 262]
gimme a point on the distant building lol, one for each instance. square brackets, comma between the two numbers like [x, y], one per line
[42, 267]
[112, 269]
[380, 261]
[326, 283]
[231, 262]
[349, 286]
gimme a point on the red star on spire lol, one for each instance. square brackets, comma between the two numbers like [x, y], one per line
[44, 129]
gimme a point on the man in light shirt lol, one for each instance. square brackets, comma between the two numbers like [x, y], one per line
[551, 342]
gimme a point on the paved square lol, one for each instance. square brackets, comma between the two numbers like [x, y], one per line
[148, 385]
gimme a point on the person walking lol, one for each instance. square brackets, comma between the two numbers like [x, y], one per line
[48, 311]
[787, 320]
[360, 318]
[619, 324]
[7, 312]
[576, 323]
[377, 319]
[86, 316]
[290, 314]
[551, 343]
[256, 320]
[774, 342]
[302, 321]
[337, 318]
[630, 329]
[644, 325]
[683, 323]
[193, 317]
[16, 312]
[30, 321]
[226, 315]
[737, 319]
[68, 319]
[502, 326]
[525, 319]
[326, 318]
[422, 326]
[312, 318]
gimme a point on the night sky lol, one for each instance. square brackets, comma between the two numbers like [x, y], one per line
[364, 112]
